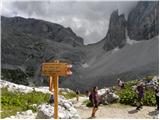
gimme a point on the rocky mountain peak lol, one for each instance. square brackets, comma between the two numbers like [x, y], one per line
[43, 29]
[143, 20]
[142, 24]
[116, 32]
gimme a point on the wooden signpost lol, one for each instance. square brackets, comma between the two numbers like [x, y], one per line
[54, 70]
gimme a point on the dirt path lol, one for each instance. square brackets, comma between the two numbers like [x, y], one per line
[116, 111]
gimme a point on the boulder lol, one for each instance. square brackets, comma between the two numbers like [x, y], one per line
[22, 88]
[66, 110]
[24, 115]
[102, 91]
[108, 97]
[153, 83]
[46, 111]
[15, 87]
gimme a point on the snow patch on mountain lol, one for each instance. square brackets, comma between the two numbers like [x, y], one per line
[131, 42]
[85, 65]
[115, 50]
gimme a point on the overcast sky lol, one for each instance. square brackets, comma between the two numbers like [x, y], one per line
[88, 19]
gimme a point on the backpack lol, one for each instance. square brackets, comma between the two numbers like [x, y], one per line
[77, 92]
[51, 99]
[90, 98]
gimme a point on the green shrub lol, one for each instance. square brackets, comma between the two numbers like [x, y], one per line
[129, 96]
[88, 103]
[148, 78]
[17, 76]
[14, 102]
[149, 98]
[131, 83]
[69, 95]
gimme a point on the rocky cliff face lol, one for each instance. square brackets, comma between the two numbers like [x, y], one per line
[27, 43]
[142, 24]
[116, 32]
[143, 20]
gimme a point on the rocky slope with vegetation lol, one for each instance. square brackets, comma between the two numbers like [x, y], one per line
[21, 102]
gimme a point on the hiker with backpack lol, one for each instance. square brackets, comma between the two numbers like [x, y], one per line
[140, 93]
[157, 96]
[94, 98]
[120, 83]
[51, 100]
[77, 94]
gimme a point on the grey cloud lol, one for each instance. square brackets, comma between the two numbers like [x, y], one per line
[87, 19]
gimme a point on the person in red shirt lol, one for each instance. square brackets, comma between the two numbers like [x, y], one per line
[95, 101]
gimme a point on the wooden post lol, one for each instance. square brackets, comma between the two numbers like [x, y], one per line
[56, 77]
[56, 97]
[50, 83]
